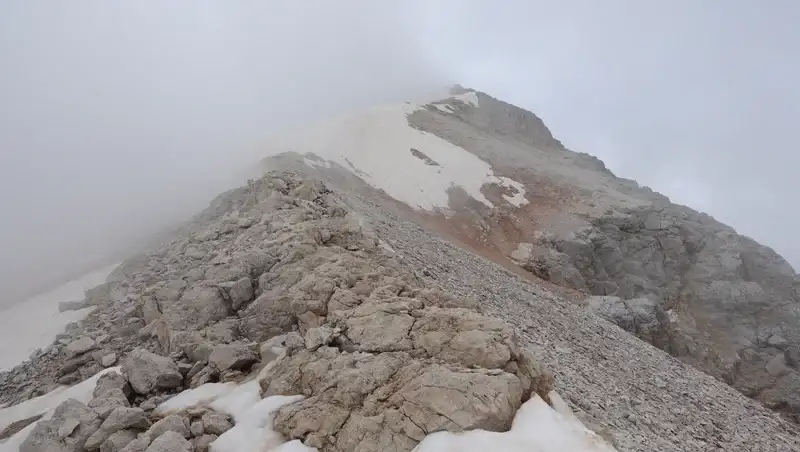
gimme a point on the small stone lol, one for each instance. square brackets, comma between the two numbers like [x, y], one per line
[170, 442]
[216, 423]
[108, 360]
[184, 368]
[777, 341]
[118, 440]
[197, 428]
[777, 365]
[69, 379]
[171, 423]
[203, 443]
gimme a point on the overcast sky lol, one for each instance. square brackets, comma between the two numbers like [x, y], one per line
[116, 117]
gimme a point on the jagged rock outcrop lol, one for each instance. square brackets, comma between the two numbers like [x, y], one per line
[718, 300]
[397, 367]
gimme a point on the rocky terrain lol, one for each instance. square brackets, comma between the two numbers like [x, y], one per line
[381, 358]
[379, 315]
[674, 277]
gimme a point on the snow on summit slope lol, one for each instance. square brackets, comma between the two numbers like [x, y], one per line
[410, 165]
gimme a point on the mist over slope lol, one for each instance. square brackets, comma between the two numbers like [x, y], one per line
[490, 177]
[118, 120]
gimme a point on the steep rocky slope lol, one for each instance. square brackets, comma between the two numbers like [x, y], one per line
[490, 177]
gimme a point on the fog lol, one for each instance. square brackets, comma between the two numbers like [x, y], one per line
[117, 119]
[696, 99]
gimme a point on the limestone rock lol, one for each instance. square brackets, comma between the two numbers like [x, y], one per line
[202, 443]
[171, 423]
[170, 442]
[148, 372]
[121, 418]
[59, 433]
[216, 423]
[107, 401]
[139, 444]
[109, 381]
[108, 360]
[80, 346]
[238, 293]
[232, 356]
[118, 440]
[197, 428]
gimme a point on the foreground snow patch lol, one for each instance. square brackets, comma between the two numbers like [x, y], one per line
[536, 428]
[45, 404]
[253, 416]
[377, 146]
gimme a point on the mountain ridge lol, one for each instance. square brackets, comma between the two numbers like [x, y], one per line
[709, 296]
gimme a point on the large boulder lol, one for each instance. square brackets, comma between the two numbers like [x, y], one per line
[389, 371]
[67, 431]
[148, 372]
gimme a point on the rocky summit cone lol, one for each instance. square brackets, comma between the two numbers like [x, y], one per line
[433, 277]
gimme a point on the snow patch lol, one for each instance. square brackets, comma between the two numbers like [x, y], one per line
[470, 97]
[375, 146]
[518, 198]
[45, 404]
[41, 318]
[443, 107]
[536, 427]
[253, 416]
[316, 163]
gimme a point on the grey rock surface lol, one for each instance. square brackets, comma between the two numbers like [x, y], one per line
[147, 371]
[170, 442]
[233, 356]
[346, 272]
[67, 431]
[121, 418]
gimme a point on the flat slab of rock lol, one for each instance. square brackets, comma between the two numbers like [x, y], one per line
[80, 346]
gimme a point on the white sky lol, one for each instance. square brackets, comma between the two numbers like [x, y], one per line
[116, 117]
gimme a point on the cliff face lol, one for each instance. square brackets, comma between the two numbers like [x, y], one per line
[700, 291]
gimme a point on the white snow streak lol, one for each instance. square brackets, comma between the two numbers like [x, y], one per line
[536, 428]
[253, 416]
[44, 404]
[41, 319]
[376, 146]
